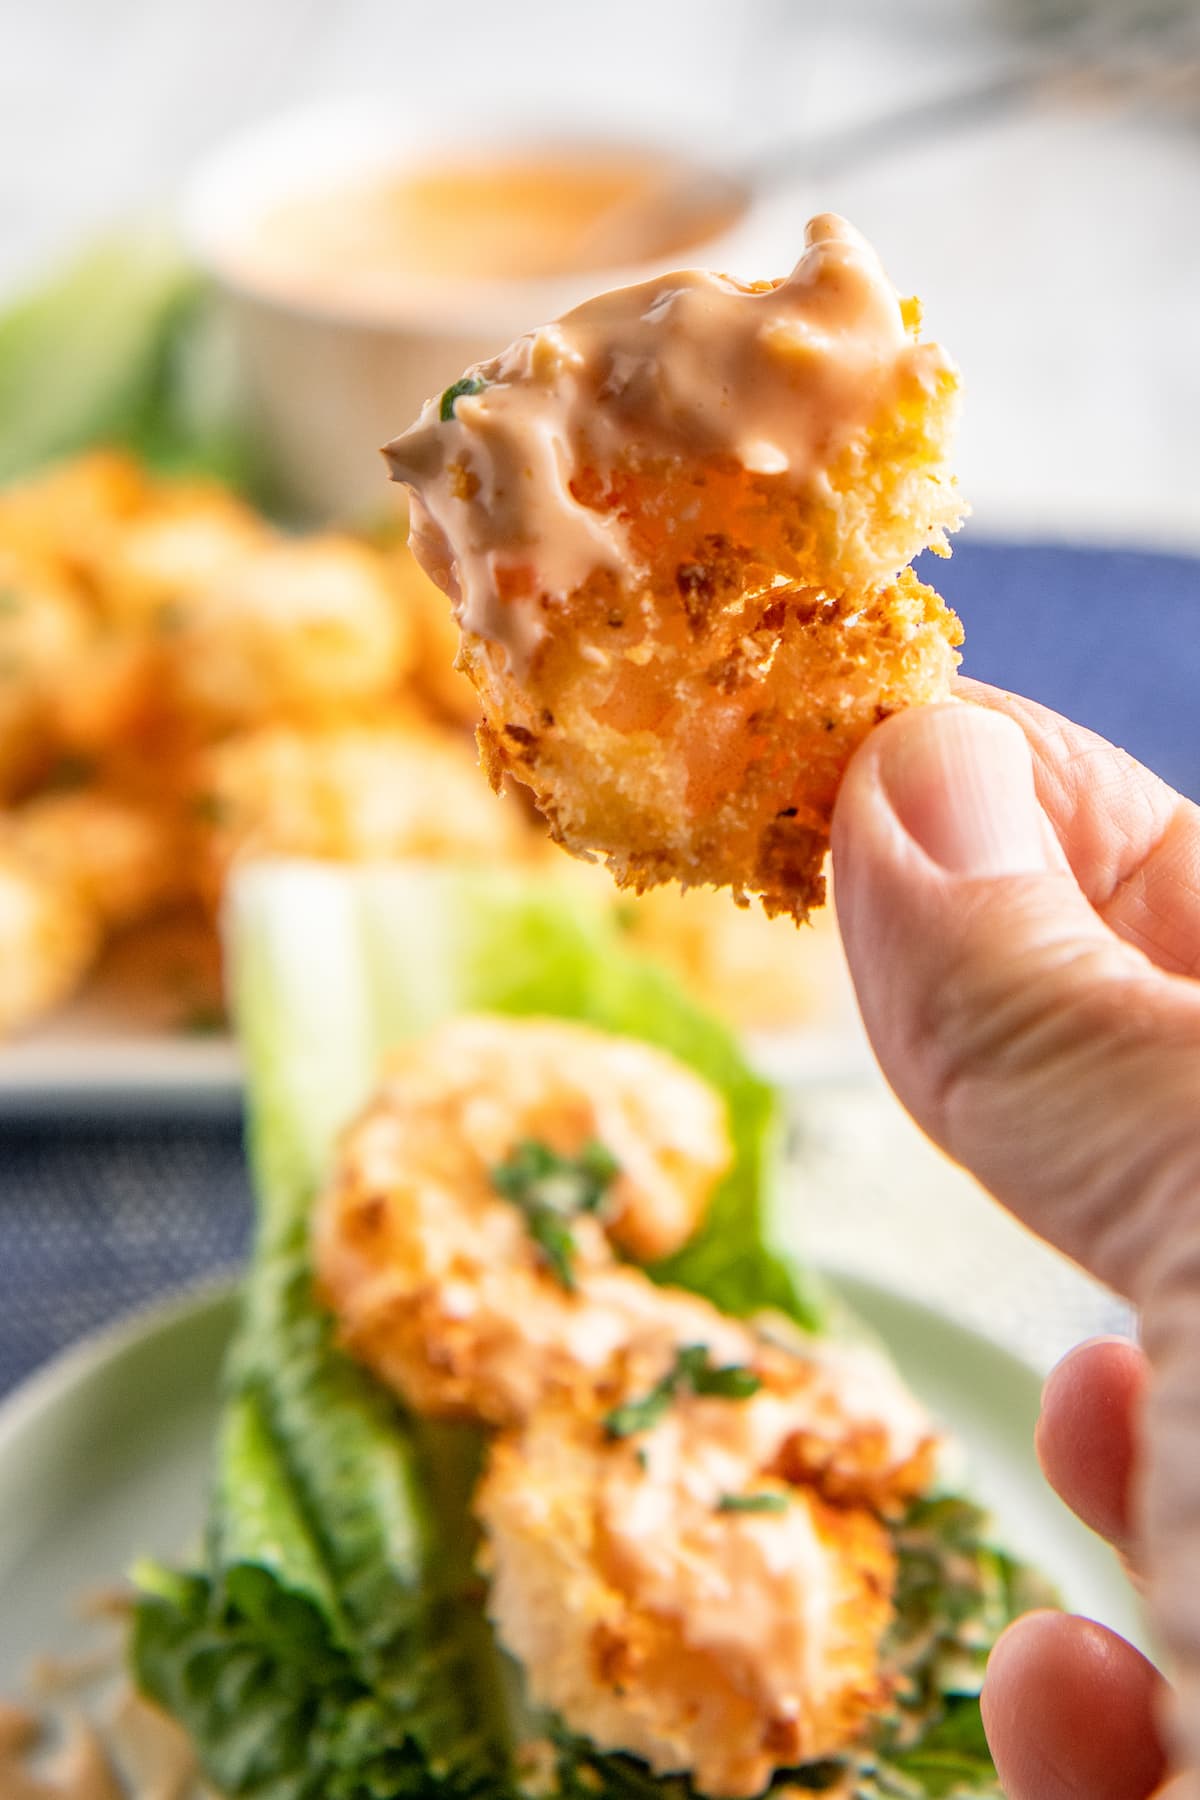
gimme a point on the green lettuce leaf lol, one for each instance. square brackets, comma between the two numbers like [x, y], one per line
[333, 966]
[119, 348]
[332, 1642]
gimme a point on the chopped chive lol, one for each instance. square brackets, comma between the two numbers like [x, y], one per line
[734, 1382]
[692, 1373]
[469, 384]
[639, 1415]
[752, 1503]
[551, 1190]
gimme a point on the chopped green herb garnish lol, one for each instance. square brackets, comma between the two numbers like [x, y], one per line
[470, 384]
[639, 1415]
[692, 1373]
[753, 1503]
[731, 1382]
[551, 1190]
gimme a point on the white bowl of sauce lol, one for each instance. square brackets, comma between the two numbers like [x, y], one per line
[364, 264]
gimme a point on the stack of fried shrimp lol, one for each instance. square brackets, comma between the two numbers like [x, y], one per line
[683, 1514]
[675, 527]
[182, 687]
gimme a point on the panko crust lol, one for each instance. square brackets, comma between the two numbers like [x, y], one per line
[50, 938]
[684, 1514]
[433, 1276]
[378, 792]
[725, 1644]
[711, 753]
[439, 1287]
[674, 527]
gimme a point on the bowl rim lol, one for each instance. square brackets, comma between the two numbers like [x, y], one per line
[327, 143]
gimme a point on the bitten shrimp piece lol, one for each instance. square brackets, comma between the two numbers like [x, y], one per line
[667, 1596]
[349, 794]
[467, 1241]
[675, 527]
[48, 939]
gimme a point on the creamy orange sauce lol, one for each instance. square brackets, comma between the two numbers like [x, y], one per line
[759, 1590]
[506, 218]
[779, 377]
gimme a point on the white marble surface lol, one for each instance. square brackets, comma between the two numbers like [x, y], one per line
[1058, 253]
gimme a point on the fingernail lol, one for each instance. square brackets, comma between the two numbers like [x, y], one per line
[960, 781]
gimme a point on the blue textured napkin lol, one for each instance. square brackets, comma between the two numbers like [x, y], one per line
[1109, 638]
[96, 1223]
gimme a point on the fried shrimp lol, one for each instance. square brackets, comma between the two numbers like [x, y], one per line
[468, 1245]
[667, 1596]
[303, 631]
[675, 527]
[117, 854]
[348, 794]
[467, 1242]
[48, 938]
[683, 1514]
[44, 632]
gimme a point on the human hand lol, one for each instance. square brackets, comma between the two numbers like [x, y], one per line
[1020, 905]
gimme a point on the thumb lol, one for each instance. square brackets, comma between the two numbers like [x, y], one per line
[1050, 1058]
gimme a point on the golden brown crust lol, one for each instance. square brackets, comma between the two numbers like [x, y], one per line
[707, 746]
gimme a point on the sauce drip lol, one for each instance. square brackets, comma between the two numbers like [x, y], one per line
[780, 377]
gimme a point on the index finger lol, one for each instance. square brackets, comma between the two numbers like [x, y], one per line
[1132, 842]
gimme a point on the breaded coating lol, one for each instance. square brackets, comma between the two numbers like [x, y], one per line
[74, 511]
[45, 632]
[48, 938]
[119, 855]
[666, 1596]
[675, 528]
[348, 794]
[683, 1515]
[175, 549]
[437, 1282]
[304, 631]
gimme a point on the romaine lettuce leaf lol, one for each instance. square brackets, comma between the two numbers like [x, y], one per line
[332, 1642]
[118, 349]
[334, 966]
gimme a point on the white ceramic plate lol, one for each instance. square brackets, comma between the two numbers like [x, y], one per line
[135, 1041]
[104, 1457]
